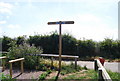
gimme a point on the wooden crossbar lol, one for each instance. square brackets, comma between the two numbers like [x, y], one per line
[20, 59]
[53, 55]
[3, 64]
[3, 57]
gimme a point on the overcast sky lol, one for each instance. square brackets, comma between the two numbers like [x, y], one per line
[94, 19]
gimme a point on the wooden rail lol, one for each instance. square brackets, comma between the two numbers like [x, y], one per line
[3, 52]
[3, 57]
[53, 55]
[3, 64]
[102, 73]
[16, 60]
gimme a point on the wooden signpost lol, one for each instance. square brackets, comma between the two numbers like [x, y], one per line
[60, 37]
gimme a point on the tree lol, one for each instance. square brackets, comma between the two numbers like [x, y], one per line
[5, 43]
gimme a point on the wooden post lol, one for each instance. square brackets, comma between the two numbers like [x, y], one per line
[22, 70]
[11, 69]
[95, 65]
[60, 46]
[75, 63]
[3, 65]
[100, 74]
[51, 62]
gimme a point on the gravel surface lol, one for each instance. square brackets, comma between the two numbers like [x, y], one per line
[34, 74]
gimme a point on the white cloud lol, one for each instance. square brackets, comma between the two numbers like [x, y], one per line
[16, 26]
[91, 27]
[5, 7]
[2, 22]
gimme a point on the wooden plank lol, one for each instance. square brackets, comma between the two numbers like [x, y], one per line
[3, 57]
[3, 52]
[53, 55]
[20, 59]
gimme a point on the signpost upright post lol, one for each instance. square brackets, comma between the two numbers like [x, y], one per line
[60, 37]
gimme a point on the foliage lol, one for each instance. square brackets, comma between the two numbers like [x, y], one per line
[6, 77]
[44, 75]
[45, 64]
[86, 48]
[114, 75]
[49, 43]
[5, 43]
[70, 69]
[108, 48]
[20, 51]
[85, 75]
[69, 44]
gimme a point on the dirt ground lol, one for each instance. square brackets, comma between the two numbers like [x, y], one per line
[28, 74]
[53, 74]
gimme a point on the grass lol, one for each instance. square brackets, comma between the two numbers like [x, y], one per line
[44, 75]
[114, 75]
[70, 69]
[88, 74]
[6, 77]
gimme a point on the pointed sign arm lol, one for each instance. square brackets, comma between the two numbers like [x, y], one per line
[60, 22]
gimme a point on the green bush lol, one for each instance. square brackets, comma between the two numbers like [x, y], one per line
[6, 77]
[22, 50]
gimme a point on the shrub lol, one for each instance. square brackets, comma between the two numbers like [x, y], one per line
[45, 64]
[6, 77]
[19, 51]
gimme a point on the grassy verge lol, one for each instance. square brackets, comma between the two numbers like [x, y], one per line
[70, 69]
[4, 77]
[88, 74]
[114, 75]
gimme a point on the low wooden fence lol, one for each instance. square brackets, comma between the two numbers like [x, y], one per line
[102, 73]
[53, 55]
[10, 62]
[16, 60]
[3, 64]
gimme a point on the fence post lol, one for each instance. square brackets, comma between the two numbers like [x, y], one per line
[3, 64]
[22, 70]
[11, 69]
[100, 74]
[75, 63]
[51, 62]
[95, 65]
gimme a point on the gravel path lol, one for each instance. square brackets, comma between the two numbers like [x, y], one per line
[34, 74]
